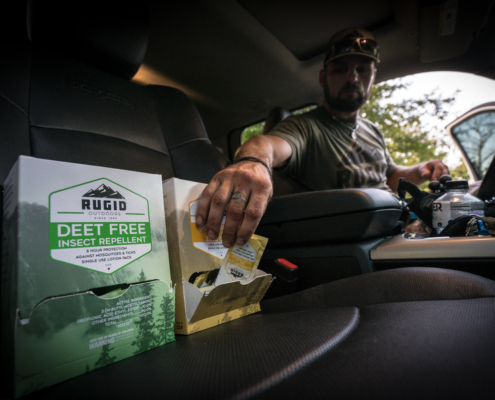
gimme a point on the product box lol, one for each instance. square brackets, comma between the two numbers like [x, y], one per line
[85, 270]
[191, 252]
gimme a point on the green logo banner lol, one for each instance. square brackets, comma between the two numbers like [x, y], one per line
[99, 225]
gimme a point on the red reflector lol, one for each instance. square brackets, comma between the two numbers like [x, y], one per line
[286, 263]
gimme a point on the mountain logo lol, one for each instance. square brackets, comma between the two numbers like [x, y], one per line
[103, 191]
[103, 230]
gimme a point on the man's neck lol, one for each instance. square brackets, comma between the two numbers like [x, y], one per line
[344, 116]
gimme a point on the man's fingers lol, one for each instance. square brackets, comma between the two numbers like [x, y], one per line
[252, 216]
[235, 214]
[439, 169]
[254, 211]
[233, 189]
[205, 201]
[437, 172]
[218, 204]
[432, 170]
[246, 207]
[211, 207]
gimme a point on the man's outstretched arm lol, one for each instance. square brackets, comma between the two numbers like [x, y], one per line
[417, 174]
[245, 187]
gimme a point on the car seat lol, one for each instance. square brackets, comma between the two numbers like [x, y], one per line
[66, 96]
[274, 117]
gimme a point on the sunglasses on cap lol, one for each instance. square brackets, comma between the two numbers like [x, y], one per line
[358, 45]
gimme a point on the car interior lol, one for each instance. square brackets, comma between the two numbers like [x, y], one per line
[167, 89]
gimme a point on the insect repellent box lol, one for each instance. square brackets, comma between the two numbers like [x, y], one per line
[85, 270]
[192, 252]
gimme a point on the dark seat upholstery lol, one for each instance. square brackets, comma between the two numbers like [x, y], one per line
[392, 286]
[274, 117]
[66, 96]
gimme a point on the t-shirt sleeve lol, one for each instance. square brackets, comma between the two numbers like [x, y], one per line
[292, 131]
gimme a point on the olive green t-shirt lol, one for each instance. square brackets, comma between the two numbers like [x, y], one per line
[328, 153]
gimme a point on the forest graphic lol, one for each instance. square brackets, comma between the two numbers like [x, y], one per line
[152, 325]
[153, 329]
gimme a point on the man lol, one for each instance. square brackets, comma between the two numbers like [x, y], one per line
[327, 148]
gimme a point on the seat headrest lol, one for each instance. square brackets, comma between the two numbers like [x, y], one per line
[276, 115]
[107, 34]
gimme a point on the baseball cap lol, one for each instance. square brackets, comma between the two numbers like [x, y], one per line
[352, 41]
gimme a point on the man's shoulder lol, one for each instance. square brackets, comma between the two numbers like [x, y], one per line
[368, 125]
[366, 122]
[301, 123]
[312, 115]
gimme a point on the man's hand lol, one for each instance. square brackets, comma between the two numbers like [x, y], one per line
[417, 174]
[245, 188]
[432, 170]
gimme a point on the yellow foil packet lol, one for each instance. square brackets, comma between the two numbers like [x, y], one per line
[241, 262]
[200, 238]
[201, 280]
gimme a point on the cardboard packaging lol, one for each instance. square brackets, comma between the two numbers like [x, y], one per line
[190, 252]
[85, 270]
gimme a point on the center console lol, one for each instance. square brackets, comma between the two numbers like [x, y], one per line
[475, 254]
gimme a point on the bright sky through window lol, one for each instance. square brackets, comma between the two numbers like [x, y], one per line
[474, 90]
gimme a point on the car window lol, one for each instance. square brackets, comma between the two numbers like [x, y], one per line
[476, 136]
[257, 129]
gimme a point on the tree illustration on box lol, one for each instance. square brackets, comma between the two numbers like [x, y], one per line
[146, 337]
[105, 358]
[165, 321]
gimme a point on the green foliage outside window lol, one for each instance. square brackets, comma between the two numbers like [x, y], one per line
[250, 131]
[407, 137]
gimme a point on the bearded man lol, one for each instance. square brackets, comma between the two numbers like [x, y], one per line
[327, 148]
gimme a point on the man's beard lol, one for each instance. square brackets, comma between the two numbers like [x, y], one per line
[344, 105]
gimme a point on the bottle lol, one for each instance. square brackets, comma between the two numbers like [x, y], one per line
[455, 203]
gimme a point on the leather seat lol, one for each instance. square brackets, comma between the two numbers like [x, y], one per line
[68, 97]
[274, 117]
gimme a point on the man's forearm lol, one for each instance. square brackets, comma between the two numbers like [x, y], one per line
[271, 149]
[418, 174]
[410, 174]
